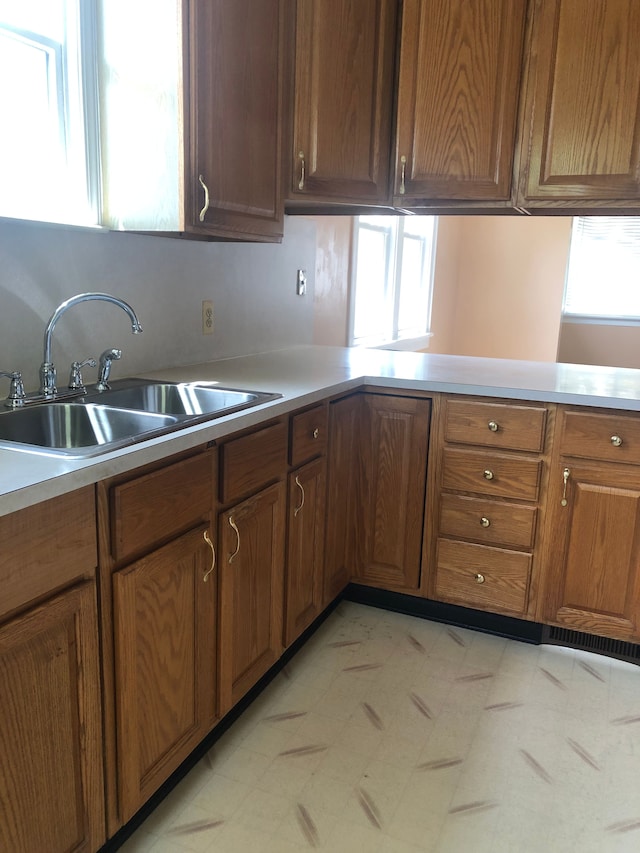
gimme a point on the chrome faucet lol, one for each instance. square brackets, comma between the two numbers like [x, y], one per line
[16, 396]
[47, 369]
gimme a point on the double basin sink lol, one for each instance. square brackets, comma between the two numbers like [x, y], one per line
[131, 411]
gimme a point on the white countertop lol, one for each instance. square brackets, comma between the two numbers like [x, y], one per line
[304, 375]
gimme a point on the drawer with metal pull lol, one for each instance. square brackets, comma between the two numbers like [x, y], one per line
[308, 435]
[486, 473]
[612, 438]
[488, 521]
[480, 576]
[499, 425]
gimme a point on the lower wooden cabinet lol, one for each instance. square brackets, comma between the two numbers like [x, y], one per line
[165, 662]
[51, 770]
[304, 584]
[251, 564]
[394, 440]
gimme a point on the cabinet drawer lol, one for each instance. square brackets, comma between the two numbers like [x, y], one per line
[483, 577]
[47, 547]
[160, 505]
[491, 474]
[308, 435]
[487, 521]
[249, 463]
[612, 438]
[495, 425]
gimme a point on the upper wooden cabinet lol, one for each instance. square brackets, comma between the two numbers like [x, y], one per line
[457, 100]
[581, 117]
[343, 79]
[233, 118]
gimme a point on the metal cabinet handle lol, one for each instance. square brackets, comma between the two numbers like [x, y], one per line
[204, 210]
[488, 475]
[616, 440]
[207, 539]
[403, 188]
[303, 173]
[479, 578]
[233, 525]
[493, 426]
[316, 432]
[298, 508]
[566, 473]
[484, 521]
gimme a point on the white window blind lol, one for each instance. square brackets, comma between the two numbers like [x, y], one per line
[603, 274]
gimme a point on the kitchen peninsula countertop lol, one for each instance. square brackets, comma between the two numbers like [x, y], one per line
[304, 375]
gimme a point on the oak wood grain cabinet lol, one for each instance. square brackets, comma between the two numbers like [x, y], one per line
[51, 761]
[159, 599]
[459, 72]
[251, 558]
[581, 112]
[394, 441]
[339, 147]
[484, 539]
[306, 508]
[592, 580]
[233, 101]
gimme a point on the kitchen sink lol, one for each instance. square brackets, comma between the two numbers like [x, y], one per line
[132, 410]
[78, 429]
[190, 400]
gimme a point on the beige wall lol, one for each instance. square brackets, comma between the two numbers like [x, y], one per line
[510, 286]
[591, 343]
[332, 274]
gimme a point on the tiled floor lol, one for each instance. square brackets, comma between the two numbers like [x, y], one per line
[391, 733]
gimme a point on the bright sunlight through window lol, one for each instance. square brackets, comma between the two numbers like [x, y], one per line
[392, 284]
[603, 275]
[48, 105]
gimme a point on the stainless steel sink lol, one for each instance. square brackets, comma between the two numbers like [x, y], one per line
[77, 430]
[186, 400]
[132, 410]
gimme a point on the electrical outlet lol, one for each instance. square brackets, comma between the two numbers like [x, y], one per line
[301, 282]
[207, 316]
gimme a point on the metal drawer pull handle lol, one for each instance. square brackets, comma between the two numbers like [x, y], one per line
[298, 508]
[316, 432]
[484, 521]
[488, 475]
[213, 555]
[493, 426]
[616, 440]
[234, 526]
[204, 210]
[403, 187]
[302, 170]
[565, 479]
[479, 578]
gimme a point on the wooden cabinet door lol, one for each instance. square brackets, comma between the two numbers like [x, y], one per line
[51, 766]
[393, 452]
[304, 587]
[165, 663]
[233, 104]
[343, 506]
[251, 591]
[344, 56]
[581, 136]
[593, 561]
[459, 81]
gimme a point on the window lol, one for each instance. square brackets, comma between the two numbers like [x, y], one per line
[603, 274]
[392, 281]
[48, 104]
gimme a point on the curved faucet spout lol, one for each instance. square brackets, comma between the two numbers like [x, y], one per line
[47, 369]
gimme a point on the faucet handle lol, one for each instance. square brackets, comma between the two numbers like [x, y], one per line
[16, 389]
[75, 377]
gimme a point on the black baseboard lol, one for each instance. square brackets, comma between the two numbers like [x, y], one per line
[463, 617]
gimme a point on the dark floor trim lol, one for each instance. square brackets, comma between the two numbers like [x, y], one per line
[463, 617]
